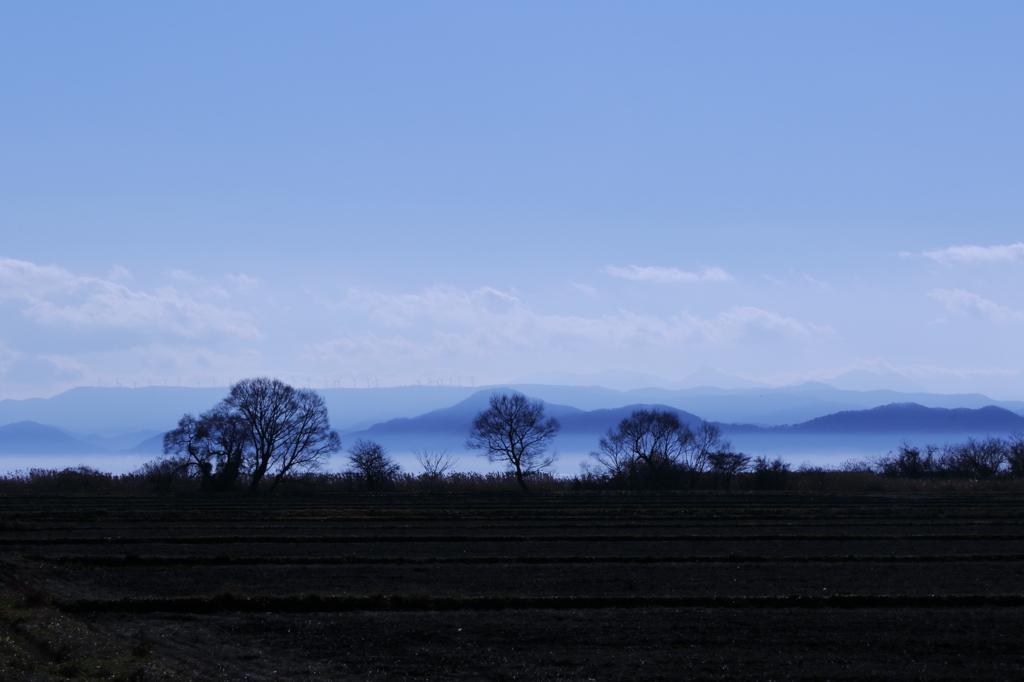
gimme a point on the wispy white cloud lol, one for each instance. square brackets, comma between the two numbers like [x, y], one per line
[119, 273]
[796, 279]
[182, 275]
[65, 367]
[7, 357]
[741, 319]
[978, 254]
[585, 288]
[23, 280]
[653, 273]
[882, 368]
[242, 282]
[52, 295]
[826, 374]
[484, 321]
[162, 359]
[966, 303]
[932, 371]
[818, 284]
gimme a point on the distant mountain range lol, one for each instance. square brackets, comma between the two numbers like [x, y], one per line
[623, 380]
[132, 421]
[456, 420]
[29, 437]
[897, 418]
[831, 439]
[914, 418]
[115, 412]
[581, 429]
[708, 377]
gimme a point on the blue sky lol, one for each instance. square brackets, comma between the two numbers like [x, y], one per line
[399, 191]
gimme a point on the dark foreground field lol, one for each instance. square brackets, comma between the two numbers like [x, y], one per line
[602, 586]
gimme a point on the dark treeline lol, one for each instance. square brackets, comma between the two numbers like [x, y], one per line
[164, 477]
[976, 459]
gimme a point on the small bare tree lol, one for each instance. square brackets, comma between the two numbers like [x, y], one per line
[696, 459]
[512, 430]
[771, 474]
[724, 465]
[436, 463]
[654, 448]
[644, 448]
[975, 459]
[909, 462]
[373, 465]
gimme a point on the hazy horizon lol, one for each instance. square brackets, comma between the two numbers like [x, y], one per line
[119, 429]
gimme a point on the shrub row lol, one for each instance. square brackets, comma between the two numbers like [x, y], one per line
[977, 459]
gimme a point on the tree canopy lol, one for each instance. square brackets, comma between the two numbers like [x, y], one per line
[264, 429]
[653, 448]
[512, 430]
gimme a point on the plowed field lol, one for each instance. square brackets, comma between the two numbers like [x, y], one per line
[537, 587]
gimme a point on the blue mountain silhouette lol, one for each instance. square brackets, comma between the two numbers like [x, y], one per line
[29, 437]
[911, 417]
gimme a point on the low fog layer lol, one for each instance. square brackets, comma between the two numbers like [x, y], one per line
[119, 429]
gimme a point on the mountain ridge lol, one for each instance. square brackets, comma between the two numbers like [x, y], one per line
[762, 413]
[30, 438]
[114, 412]
[915, 418]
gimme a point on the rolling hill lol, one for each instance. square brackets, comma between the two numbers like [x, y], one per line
[914, 418]
[29, 437]
[114, 412]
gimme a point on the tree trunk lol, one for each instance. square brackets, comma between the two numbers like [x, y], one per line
[521, 480]
[277, 479]
[227, 475]
[207, 482]
[257, 476]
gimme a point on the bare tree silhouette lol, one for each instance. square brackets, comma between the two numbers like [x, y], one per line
[513, 431]
[435, 463]
[264, 428]
[372, 464]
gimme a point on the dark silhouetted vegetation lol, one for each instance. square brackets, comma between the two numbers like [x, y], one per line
[264, 429]
[974, 459]
[371, 464]
[724, 466]
[653, 449]
[991, 463]
[436, 463]
[770, 474]
[513, 431]
[214, 446]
